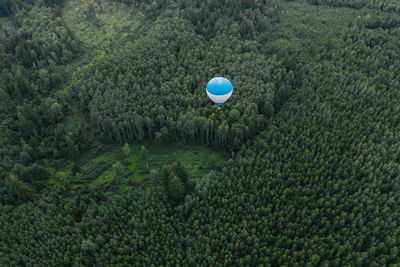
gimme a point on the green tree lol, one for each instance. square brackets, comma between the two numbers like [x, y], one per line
[19, 189]
[176, 188]
[126, 150]
[144, 156]
[72, 149]
[178, 170]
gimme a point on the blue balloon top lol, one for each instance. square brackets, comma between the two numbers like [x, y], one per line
[219, 86]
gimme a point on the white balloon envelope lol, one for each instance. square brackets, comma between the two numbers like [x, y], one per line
[219, 89]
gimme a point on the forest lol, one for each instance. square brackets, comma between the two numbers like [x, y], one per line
[111, 153]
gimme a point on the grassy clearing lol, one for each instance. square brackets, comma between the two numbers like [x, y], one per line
[197, 160]
[96, 170]
[110, 154]
[105, 176]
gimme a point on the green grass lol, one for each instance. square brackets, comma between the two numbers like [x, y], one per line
[197, 160]
[105, 176]
[111, 153]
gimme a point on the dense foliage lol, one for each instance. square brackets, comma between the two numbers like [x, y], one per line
[312, 131]
[174, 62]
[34, 44]
[385, 5]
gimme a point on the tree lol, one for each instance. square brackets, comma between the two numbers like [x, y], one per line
[19, 189]
[178, 170]
[155, 177]
[144, 156]
[165, 177]
[126, 150]
[75, 168]
[176, 188]
[72, 149]
[117, 166]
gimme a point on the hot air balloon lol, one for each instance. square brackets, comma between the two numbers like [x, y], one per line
[219, 89]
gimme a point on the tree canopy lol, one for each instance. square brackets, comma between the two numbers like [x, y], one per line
[311, 133]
